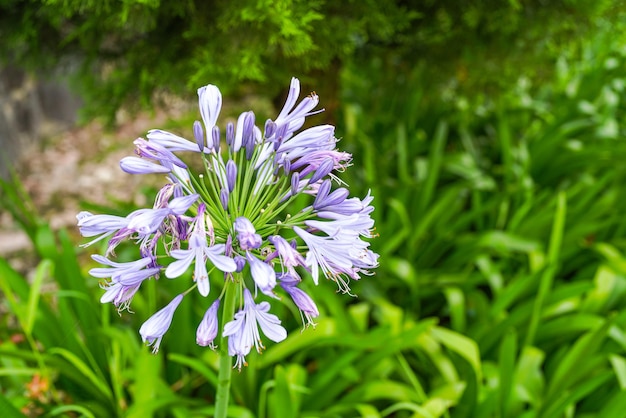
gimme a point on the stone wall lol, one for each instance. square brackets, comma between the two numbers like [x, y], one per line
[31, 110]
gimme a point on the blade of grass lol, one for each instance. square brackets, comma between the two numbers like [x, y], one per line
[44, 269]
[547, 277]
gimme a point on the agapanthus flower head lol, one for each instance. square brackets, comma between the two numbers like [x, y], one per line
[263, 216]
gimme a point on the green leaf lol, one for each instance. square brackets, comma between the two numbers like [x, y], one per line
[508, 354]
[569, 369]
[98, 385]
[197, 365]
[71, 408]
[7, 409]
[43, 270]
[462, 345]
[619, 367]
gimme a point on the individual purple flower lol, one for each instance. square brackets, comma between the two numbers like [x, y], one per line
[207, 330]
[224, 198]
[210, 103]
[147, 221]
[243, 331]
[325, 199]
[314, 138]
[135, 165]
[356, 224]
[156, 326]
[230, 134]
[322, 171]
[198, 252]
[237, 141]
[155, 151]
[215, 138]
[295, 183]
[304, 302]
[91, 225]
[172, 142]
[240, 262]
[246, 234]
[129, 272]
[330, 255]
[263, 274]
[231, 174]
[119, 294]
[288, 256]
[198, 134]
[291, 119]
[347, 207]
[125, 279]
[303, 157]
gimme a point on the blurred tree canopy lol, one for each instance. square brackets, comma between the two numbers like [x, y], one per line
[120, 52]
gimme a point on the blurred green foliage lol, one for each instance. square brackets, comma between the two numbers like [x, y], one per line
[502, 286]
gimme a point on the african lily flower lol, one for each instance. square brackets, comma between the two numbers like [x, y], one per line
[258, 224]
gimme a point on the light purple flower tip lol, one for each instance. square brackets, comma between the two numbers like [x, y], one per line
[292, 97]
[210, 102]
[180, 205]
[263, 274]
[240, 262]
[155, 151]
[248, 140]
[239, 134]
[224, 198]
[323, 170]
[215, 135]
[301, 299]
[147, 221]
[335, 198]
[322, 191]
[129, 273]
[172, 142]
[198, 133]
[246, 234]
[120, 295]
[230, 134]
[315, 137]
[156, 326]
[231, 174]
[91, 225]
[136, 165]
[295, 183]
[288, 255]
[207, 330]
[270, 128]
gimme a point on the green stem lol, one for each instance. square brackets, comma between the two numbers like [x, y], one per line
[226, 364]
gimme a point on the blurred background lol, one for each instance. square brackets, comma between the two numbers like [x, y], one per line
[491, 134]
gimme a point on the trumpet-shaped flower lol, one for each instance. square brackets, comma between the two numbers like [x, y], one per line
[304, 302]
[156, 326]
[246, 234]
[263, 274]
[198, 252]
[207, 330]
[243, 331]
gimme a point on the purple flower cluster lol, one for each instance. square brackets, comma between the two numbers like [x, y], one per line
[243, 216]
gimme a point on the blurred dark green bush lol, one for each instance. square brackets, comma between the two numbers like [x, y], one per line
[122, 52]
